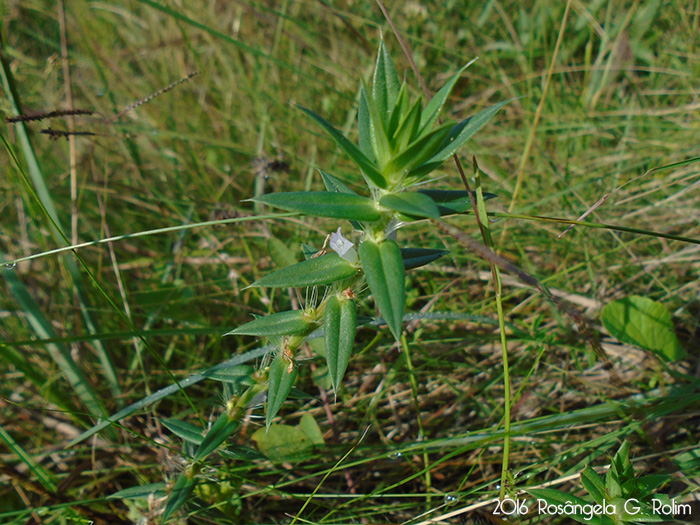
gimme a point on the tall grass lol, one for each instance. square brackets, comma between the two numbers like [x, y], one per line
[122, 330]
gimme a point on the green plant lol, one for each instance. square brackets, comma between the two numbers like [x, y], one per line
[619, 498]
[400, 143]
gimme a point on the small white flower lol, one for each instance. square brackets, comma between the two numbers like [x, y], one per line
[343, 247]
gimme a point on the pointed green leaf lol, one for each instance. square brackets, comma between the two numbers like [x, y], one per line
[594, 484]
[140, 491]
[367, 166]
[220, 431]
[417, 257]
[377, 132]
[280, 253]
[417, 153]
[365, 134]
[645, 323]
[185, 431]
[453, 201]
[334, 184]
[385, 276]
[434, 107]
[326, 269]
[282, 323]
[407, 130]
[422, 170]
[398, 113]
[385, 84]
[283, 372]
[569, 501]
[181, 492]
[323, 204]
[237, 375]
[463, 131]
[340, 325]
[410, 203]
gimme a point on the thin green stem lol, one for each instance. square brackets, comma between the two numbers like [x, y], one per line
[421, 430]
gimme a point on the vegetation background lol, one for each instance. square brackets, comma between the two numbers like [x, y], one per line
[84, 338]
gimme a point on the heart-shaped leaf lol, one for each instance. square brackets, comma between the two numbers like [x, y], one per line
[644, 323]
[385, 274]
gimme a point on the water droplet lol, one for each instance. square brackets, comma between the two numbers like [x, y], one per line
[449, 499]
[494, 219]
[395, 455]
[10, 266]
[498, 486]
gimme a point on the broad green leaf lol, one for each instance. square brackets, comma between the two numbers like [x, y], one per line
[385, 84]
[334, 184]
[365, 135]
[594, 484]
[326, 269]
[282, 443]
[282, 323]
[463, 131]
[323, 204]
[385, 276]
[407, 130]
[241, 452]
[367, 166]
[185, 431]
[179, 495]
[283, 372]
[377, 132]
[410, 203]
[220, 431]
[434, 107]
[453, 201]
[280, 253]
[308, 426]
[644, 323]
[339, 328]
[416, 153]
[417, 257]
